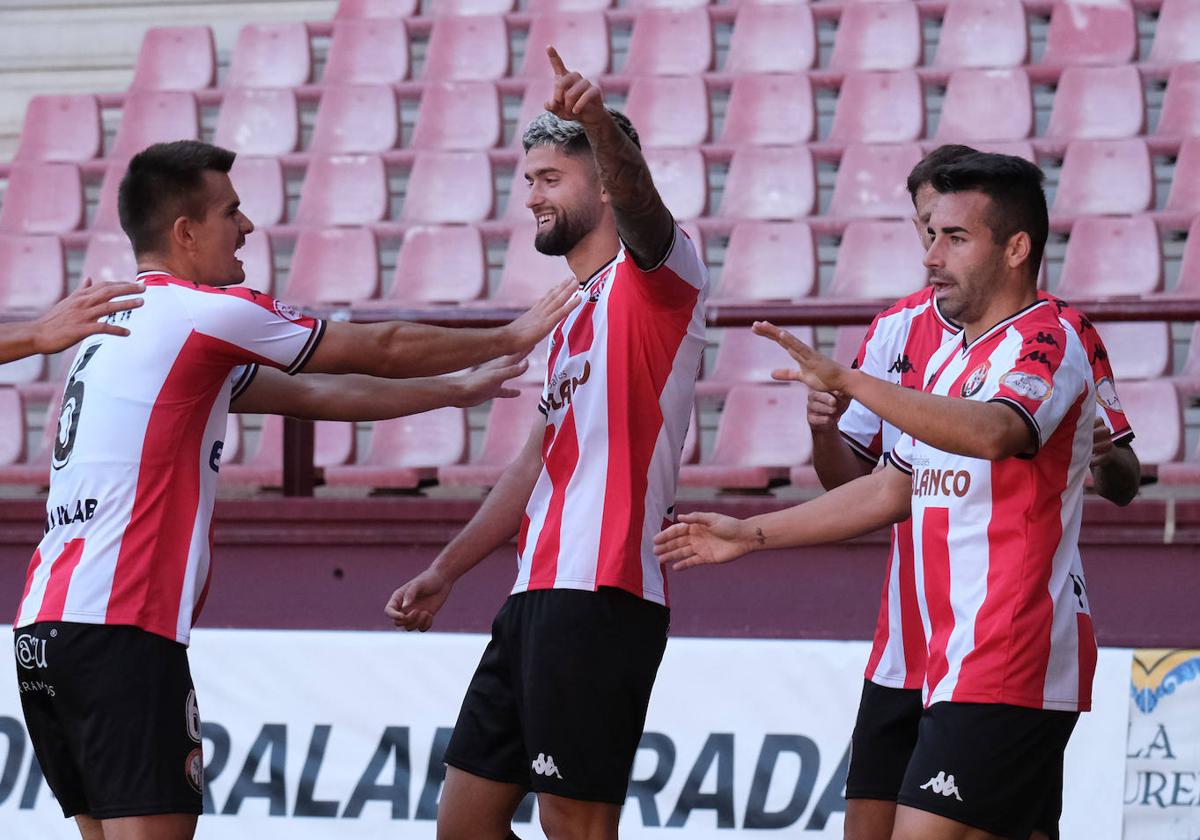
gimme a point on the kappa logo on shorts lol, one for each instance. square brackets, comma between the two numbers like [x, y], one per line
[192, 715]
[31, 651]
[943, 784]
[543, 765]
[193, 769]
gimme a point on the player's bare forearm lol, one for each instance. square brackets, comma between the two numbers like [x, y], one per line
[348, 397]
[834, 461]
[17, 342]
[1119, 477]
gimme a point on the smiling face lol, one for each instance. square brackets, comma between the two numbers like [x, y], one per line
[965, 264]
[217, 235]
[565, 197]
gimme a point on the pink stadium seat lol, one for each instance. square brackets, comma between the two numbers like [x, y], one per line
[543, 7]
[1181, 103]
[34, 468]
[773, 110]
[458, 115]
[881, 260]
[580, 37]
[357, 119]
[1155, 413]
[1098, 103]
[333, 444]
[670, 42]
[467, 48]
[1112, 256]
[461, 8]
[61, 128]
[986, 105]
[1100, 32]
[532, 104]
[669, 111]
[24, 372]
[372, 51]
[871, 181]
[515, 210]
[260, 186]
[109, 257]
[877, 36]
[42, 198]
[681, 179]
[667, 4]
[769, 261]
[271, 55]
[375, 9]
[406, 451]
[509, 424]
[983, 33]
[1177, 34]
[33, 272]
[846, 342]
[879, 108]
[771, 38]
[760, 434]
[770, 182]
[343, 190]
[1105, 176]
[258, 262]
[152, 116]
[528, 274]
[1184, 196]
[1017, 148]
[176, 58]
[258, 121]
[449, 187]
[440, 264]
[1189, 278]
[743, 357]
[1137, 349]
[339, 265]
[106, 216]
[12, 427]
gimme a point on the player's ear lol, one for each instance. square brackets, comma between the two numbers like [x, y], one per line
[183, 235]
[1019, 249]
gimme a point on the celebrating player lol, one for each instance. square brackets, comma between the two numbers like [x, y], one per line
[559, 700]
[990, 466]
[71, 320]
[121, 574]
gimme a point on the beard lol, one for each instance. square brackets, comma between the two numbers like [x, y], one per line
[568, 228]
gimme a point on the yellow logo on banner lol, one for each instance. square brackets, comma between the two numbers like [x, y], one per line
[1157, 673]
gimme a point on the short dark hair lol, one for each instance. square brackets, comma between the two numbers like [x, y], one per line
[1014, 186]
[922, 173]
[163, 182]
[548, 130]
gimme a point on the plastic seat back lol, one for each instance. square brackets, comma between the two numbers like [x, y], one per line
[271, 55]
[109, 257]
[983, 33]
[458, 116]
[343, 190]
[771, 110]
[449, 187]
[152, 116]
[42, 198]
[440, 264]
[259, 184]
[1105, 177]
[670, 42]
[1112, 256]
[258, 121]
[338, 265]
[580, 37]
[528, 274]
[61, 128]
[669, 111]
[882, 260]
[772, 38]
[1102, 32]
[176, 58]
[1098, 103]
[769, 261]
[877, 36]
[681, 179]
[1177, 34]
[370, 51]
[879, 108]
[1181, 103]
[33, 272]
[770, 182]
[467, 48]
[356, 119]
[986, 105]
[871, 181]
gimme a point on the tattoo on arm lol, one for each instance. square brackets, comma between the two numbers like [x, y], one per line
[759, 537]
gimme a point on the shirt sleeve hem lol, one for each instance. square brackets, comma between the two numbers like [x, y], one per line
[244, 380]
[858, 449]
[1029, 421]
[309, 348]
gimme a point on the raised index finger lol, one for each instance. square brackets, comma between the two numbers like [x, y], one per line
[556, 62]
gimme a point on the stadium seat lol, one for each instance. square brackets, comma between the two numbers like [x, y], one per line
[877, 36]
[12, 426]
[42, 198]
[463, 8]
[681, 179]
[1177, 33]
[260, 186]
[1137, 349]
[350, 9]
[871, 181]
[371, 51]
[406, 451]
[1105, 177]
[846, 342]
[1102, 32]
[258, 262]
[882, 260]
[773, 110]
[1098, 103]
[356, 119]
[333, 444]
[109, 256]
[458, 116]
[769, 261]
[879, 108]
[440, 264]
[670, 42]
[258, 121]
[509, 424]
[527, 274]
[1184, 196]
[1189, 275]
[544, 7]
[760, 434]
[670, 111]
[106, 216]
[770, 182]
[983, 33]
[33, 272]
[1156, 416]
[1112, 256]
[175, 58]
[338, 265]
[580, 37]
[61, 129]
[449, 187]
[271, 55]
[743, 357]
[152, 116]
[986, 105]
[1180, 115]
[532, 104]
[467, 49]
[34, 468]
[24, 372]
[343, 190]
[772, 38]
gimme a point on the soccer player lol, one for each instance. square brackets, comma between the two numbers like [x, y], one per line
[848, 445]
[121, 573]
[558, 702]
[990, 466]
[69, 321]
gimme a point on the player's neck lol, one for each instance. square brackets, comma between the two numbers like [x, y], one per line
[594, 251]
[1003, 305]
[166, 264]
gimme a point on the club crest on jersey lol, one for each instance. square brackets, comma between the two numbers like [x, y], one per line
[1106, 394]
[286, 310]
[975, 381]
[1027, 385]
[193, 769]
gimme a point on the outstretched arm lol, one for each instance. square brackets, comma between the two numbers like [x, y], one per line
[71, 320]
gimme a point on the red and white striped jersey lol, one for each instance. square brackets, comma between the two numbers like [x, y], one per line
[134, 473]
[897, 348]
[999, 580]
[618, 398]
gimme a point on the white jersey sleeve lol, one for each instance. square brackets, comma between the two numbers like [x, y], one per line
[253, 328]
[1048, 371]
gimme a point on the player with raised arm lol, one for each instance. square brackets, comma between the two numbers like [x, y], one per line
[121, 574]
[559, 700]
[71, 320]
[990, 466]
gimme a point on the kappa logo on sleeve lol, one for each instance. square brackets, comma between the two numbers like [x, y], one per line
[1027, 385]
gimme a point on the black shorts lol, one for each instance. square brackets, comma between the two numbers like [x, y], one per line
[994, 767]
[885, 734]
[559, 700]
[112, 715]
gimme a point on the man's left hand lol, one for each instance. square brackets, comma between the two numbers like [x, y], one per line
[818, 372]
